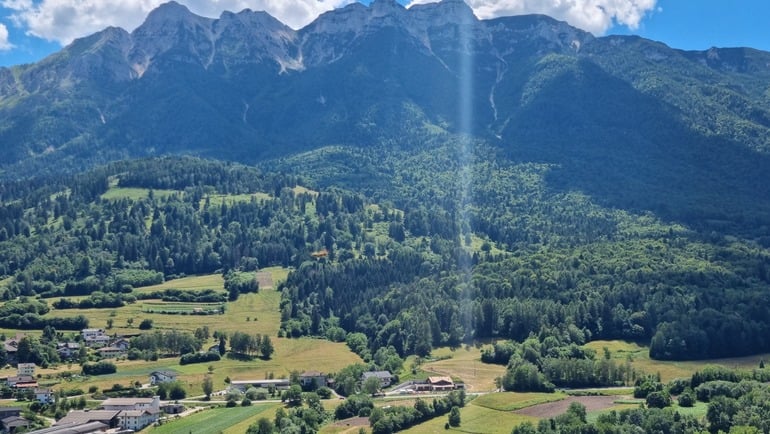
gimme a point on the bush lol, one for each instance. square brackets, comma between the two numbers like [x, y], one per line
[190, 358]
[324, 392]
[246, 402]
[687, 399]
[658, 400]
[231, 403]
[146, 324]
[100, 368]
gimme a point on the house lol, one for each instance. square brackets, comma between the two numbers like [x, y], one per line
[11, 420]
[12, 424]
[244, 385]
[25, 369]
[134, 413]
[135, 420]
[122, 343]
[92, 333]
[110, 353]
[95, 338]
[44, 395]
[158, 377]
[67, 350]
[11, 346]
[97, 341]
[312, 379]
[441, 383]
[22, 381]
[385, 377]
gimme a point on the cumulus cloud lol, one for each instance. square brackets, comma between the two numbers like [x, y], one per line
[65, 20]
[4, 43]
[595, 16]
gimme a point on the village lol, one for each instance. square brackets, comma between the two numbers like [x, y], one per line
[119, 415]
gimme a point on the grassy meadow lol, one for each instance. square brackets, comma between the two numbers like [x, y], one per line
[216, 420]
[668, 370]
[464, 364]
[251, 313]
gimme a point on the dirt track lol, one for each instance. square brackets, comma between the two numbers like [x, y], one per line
[553, 409]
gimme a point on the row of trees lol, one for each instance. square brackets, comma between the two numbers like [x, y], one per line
[245, 344]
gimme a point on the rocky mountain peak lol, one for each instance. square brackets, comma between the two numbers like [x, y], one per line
[381, 8]
[170, 11]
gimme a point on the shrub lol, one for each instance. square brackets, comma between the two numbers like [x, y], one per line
[99, 368]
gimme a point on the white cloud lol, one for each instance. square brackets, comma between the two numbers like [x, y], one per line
[595, 16]
[4, 43]
[65, 20]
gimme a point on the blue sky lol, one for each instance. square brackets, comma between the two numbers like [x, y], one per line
[32, 29]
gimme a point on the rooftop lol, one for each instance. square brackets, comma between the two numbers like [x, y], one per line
[80, 417]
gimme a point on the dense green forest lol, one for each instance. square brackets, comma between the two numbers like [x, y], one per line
[415, 256]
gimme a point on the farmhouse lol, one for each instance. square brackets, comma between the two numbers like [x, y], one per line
[385, 377]
[441, 383]
[309, 378]
[134, 413]
[110, 353]
[22, 382]
[157, 377]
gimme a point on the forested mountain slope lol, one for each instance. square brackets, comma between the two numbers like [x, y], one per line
[407, 261]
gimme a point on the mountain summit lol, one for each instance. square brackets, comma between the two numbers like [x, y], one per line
[245, 86]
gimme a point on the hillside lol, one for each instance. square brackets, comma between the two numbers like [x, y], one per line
[245, 87]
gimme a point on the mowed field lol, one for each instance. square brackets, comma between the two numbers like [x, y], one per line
[216, 420]
[251, 313]
[465, 364]
[668, 370]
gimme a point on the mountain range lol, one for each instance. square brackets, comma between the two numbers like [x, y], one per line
[247, 87]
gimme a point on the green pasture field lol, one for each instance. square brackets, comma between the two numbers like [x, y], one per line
[216, 420]
[475, 419]
[227, 199]
[512, 401]
[118, 193]
[179, 308]
[668, 370]
[190, 283]
[251, 313]
[464, 363]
